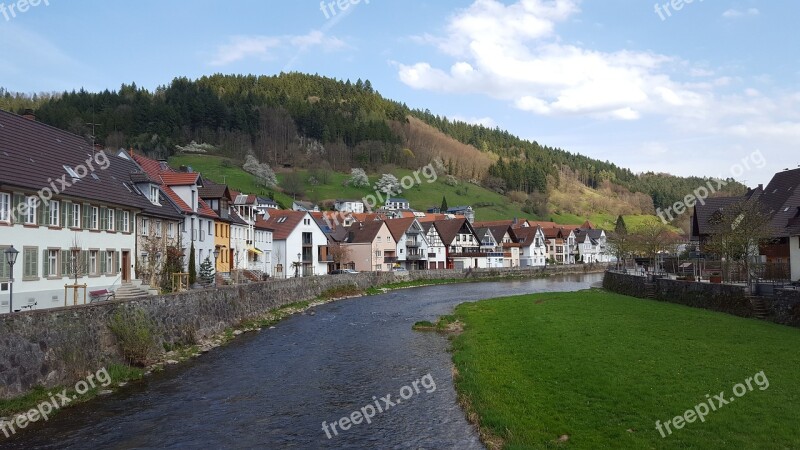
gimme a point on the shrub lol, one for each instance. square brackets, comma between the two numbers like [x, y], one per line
[135, 333]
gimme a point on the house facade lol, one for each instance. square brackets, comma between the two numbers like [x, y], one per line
[349, 206]
[412, 245]
[371, 246]
[533, 247]
[297, 243]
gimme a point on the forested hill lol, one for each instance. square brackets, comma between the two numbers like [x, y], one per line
[295, 120]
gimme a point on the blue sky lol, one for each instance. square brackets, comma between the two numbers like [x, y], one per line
[692, 92]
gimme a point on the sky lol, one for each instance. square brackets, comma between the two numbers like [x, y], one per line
[707, 88]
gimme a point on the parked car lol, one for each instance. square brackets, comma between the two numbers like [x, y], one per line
[343, 271]
[350, 271]
[399, 269]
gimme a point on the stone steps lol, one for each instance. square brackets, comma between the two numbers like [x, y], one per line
[760, 310]
[129, 291]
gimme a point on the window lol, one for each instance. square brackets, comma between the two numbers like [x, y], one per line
[110, 262]
[55, 210]
[154, 195]
[95, 216]
[5, 272]
[126, 221]
[92, 269]
[170, 230]
[32, 203]
[110, 220]
[76, 216]
[143, 230]
[209, 228]
[5, 207]
[158, 228]
[30, 261]
[52, 263]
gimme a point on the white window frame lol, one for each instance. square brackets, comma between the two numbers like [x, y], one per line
[110, 262]
[111, 216]
[76, 215]
[126, 221]
[145, 224]
[93, 262]
[32, 204]
[158, 228]
[5, 207]
[55, 213]
[94, 219]
[170, 230]
[53, 263]
[154, 195]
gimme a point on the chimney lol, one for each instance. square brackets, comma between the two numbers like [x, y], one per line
[28, 114]
[760, 187]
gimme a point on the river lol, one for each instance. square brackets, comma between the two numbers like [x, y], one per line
[274, 389]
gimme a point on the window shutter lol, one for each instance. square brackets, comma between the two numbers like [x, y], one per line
[44, 213]
[87, 210]
[102, 256]
[4, 267]
[131, 218]
[118, 263]
[64, 213]
[103, 218]
[17, 213]
[118, 217]
[84, 267]
[66, 263]
[45, 264]
[68, 215]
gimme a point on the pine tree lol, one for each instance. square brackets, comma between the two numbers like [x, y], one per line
[192, 266]
[207, 272]
[443, 208]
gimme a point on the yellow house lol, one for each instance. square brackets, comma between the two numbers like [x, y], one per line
[219, 198]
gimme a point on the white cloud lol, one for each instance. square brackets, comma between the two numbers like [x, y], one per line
[487, 122]
[512, 52]
[267, 47]
[736, 13]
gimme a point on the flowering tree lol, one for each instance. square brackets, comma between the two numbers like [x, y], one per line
[358, 178]
[388, 184]
[260, 170]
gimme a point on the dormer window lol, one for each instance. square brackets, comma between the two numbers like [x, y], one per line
[154, 197]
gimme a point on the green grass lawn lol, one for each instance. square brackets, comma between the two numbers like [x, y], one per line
[602, 368]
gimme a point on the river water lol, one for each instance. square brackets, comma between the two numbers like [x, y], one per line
[275, 388]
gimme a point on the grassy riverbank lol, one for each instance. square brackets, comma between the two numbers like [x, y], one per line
[597, 370]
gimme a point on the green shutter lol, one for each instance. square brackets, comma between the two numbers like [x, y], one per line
[41, 212]
[3, 267]
[69, 215]
[117, 267]
[66, 262]
[103, 218]
[45, 264]
[87, 209]
[102, 256]
[119, 220]
[84, 263]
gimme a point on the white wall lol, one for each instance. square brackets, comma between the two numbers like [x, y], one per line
[49, 293]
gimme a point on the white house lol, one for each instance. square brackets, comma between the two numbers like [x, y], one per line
[350, 206]
[262, 256]
[182, 188]
[591, 246]
[68, 209]
[533, 249]
[412, 245]
[297, 241]
[395, 203]
[437, 252]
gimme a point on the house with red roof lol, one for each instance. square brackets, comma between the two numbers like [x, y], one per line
[299, 246]
[182, 188]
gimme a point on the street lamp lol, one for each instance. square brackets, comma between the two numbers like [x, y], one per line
[297, 267]
[11, 258]
[216, 255]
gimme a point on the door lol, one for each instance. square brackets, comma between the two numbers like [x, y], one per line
[126, 266]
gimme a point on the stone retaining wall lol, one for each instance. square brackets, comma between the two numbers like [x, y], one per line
[59, 346]
[783, 308]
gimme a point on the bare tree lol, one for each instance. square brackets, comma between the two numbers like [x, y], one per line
[341, 254]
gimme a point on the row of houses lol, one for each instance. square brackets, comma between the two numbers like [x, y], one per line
[779, 202]
[82, 215]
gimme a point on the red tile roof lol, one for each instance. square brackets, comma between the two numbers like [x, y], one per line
[180, 178]
[399, 226]
[283, 222]
[204, 210]
[176, 199]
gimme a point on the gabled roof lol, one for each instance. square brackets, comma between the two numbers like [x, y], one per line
[31, 153]
[236, 219]
[399, 226]
[260, 224]
[449, 229]
[362, 233]
[211, 190]
[704, 212]
[204, 210]
[283, 222]
[527, 236]
[181, 178]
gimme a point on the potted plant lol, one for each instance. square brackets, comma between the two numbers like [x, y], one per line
[715, 277]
